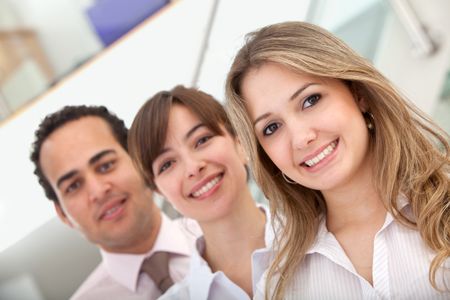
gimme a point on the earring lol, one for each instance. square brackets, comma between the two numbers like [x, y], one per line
[247, 172]
[370, 120]
[287, 179]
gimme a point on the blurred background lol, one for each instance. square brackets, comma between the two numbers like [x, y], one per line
[120, 52]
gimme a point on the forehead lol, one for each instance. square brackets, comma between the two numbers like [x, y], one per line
[266, 87]
[181, 120]
[180, 112]
[184, 123]
[72, 145]
[272, 78]
[270, 84]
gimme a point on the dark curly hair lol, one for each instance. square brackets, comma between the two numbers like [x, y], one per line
[67, 114]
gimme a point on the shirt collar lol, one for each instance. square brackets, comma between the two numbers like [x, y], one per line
[125, 268]
[326, 240]
[268, 230]
[201, 276]
[261, 258]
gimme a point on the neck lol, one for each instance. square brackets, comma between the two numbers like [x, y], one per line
[231, 240]
[357, 202]
[150, 235]
[242, 228]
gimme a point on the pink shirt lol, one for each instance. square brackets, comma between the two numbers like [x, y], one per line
[118, 275]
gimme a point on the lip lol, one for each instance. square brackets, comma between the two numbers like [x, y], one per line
[118, 203]
[324, 161]
[203, 182]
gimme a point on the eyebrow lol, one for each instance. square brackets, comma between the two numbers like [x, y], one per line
[92, 161]
[293, 96]
[188, 134]
[193, 129]
[65, 177]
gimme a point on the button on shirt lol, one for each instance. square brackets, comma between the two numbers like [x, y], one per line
[401, 263]
[201, 283]
[118, 276]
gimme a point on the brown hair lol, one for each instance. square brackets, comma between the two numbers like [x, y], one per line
[148, 132]
[411, 152]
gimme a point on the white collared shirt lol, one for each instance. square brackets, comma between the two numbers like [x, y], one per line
[401, 263]
[118, 276]
[201, 283]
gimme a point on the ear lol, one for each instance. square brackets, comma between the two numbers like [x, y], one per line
[357, 95]
[362, 104]
[62, 215]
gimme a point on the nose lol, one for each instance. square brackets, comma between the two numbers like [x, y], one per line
[98, 188]
[301, 134]
[194, 165]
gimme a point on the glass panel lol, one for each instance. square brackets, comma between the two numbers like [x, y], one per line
[359, 23]
[442, 112]
[43, 41]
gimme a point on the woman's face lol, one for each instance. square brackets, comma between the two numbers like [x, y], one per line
[201, 173]
[312, 128]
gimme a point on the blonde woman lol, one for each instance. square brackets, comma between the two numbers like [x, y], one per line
[183, 143]
[356, 174]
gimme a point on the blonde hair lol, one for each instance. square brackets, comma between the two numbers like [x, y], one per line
[411, 153]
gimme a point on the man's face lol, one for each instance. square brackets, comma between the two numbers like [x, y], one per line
[100, 192]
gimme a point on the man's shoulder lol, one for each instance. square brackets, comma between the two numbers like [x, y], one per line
[100, 285]
[97, 280]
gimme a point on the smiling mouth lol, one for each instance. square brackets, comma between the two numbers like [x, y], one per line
[207, 187]
[111, 213]
[319, 157]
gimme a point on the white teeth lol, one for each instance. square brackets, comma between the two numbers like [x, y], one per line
[311, 162]
[111, 211]
[207, 187]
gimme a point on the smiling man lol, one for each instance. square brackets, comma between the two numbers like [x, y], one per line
[81, 161]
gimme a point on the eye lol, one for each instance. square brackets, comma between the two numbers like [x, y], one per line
[203, 140]
[73, 186]
[105, 167]
[311, 101]
[270, 129]
[166, 165]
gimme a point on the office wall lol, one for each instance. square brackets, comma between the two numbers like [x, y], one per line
[159, 54]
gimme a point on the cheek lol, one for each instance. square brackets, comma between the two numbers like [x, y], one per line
[76, 215]
[345, 112]
[169, 187]
[238, 160]
[224, 152]
[277, 150]
[76, 206]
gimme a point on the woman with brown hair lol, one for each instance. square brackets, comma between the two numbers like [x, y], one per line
[357, 176]
[184, 145]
